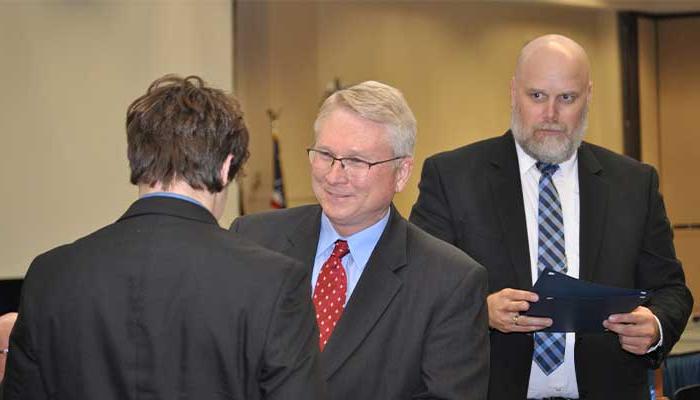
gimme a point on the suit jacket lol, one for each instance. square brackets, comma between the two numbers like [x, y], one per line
[416, 323]
[164, 304]
[472, 197]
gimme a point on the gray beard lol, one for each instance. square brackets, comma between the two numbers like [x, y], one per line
[551, 150]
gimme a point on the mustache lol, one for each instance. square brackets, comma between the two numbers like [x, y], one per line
[557, 127]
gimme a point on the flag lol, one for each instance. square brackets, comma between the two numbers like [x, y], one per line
[278, 199]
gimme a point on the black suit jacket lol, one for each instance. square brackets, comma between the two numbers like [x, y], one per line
[416, 323]
[472, 197]
[164, 304]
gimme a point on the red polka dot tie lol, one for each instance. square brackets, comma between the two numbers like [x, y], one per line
[329, 293]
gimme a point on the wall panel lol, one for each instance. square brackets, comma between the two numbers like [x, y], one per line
[452, 60]
[69, 71]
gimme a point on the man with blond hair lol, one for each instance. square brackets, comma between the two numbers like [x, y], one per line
[401, 314]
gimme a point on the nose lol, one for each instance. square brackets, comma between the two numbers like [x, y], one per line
[551, 111]
[336, 174]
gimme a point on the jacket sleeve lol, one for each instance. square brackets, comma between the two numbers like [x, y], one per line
[661, 272]
[455, 361]
[23, 379]
[291, 356]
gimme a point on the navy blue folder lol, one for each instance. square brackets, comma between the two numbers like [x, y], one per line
[575, 305]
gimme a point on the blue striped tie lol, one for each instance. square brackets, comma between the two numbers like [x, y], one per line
[549, 347]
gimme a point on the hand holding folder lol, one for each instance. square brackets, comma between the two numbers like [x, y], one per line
[575, 305]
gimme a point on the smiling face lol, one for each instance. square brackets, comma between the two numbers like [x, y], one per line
[550, 94]
[353, 204]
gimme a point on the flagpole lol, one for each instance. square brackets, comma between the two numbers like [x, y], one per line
[278, 198]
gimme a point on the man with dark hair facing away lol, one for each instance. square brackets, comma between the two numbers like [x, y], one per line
[163, 303]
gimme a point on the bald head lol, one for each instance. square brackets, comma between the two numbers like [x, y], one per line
[548, 49]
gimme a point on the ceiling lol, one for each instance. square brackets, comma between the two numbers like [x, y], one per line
[647, 6]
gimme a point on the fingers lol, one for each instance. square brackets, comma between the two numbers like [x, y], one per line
[629, 318]
[637, 345]
[638, 323]
[524, 324]
[536, 323]
[638, 330]
[645, 329]
[505, 307]
[516, 295]
[516, 306]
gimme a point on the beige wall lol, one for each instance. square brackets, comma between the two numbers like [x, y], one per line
[648, 92]
[452, 60]
[679, 142]
[679, 97]
[668, 97]
[69, 70]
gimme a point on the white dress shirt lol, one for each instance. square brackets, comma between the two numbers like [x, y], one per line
[562, 381]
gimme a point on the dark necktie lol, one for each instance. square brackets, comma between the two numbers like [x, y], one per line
[329, 293]
[549, 347]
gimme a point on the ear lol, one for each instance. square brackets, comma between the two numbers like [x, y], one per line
[589, 95]
[512, 93]
[225, 167]
[403, 173]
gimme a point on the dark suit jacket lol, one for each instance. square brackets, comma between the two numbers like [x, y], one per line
[416, 323]
[472, 197]
[164, 304]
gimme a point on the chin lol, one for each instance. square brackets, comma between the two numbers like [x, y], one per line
[554, 156]
[336, 212]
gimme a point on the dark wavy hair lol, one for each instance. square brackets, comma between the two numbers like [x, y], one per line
[181, 129]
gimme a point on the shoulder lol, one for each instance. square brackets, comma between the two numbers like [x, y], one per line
[214, 247]
[472, 152]
[275, 219]
[466, 163]
[53, 261]
[439, 257]
[246, 254]
[55, 256]
[614, 165]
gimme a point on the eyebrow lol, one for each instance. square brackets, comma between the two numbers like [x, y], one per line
[569, 92]
[350, 155]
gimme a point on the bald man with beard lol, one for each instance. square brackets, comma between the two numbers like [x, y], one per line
[606, 224]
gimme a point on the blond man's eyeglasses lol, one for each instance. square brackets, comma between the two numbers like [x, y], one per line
[354, 167]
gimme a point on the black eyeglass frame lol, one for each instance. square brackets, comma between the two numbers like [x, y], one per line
[354, 159]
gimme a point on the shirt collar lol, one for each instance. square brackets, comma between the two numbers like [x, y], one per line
[361, 243]
[172, 195]
[526, 162]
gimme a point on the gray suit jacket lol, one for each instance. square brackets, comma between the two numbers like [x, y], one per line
[416, 323]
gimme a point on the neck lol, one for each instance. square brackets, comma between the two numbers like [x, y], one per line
[210, 201]
[351, 229]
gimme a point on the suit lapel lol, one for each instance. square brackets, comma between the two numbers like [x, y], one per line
[375, 290]
[593, 198]
[302, 241]
[507, 195]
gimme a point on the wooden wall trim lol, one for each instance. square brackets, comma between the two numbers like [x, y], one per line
[629, 57]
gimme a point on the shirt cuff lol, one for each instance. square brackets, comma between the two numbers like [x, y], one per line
[661, 337]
